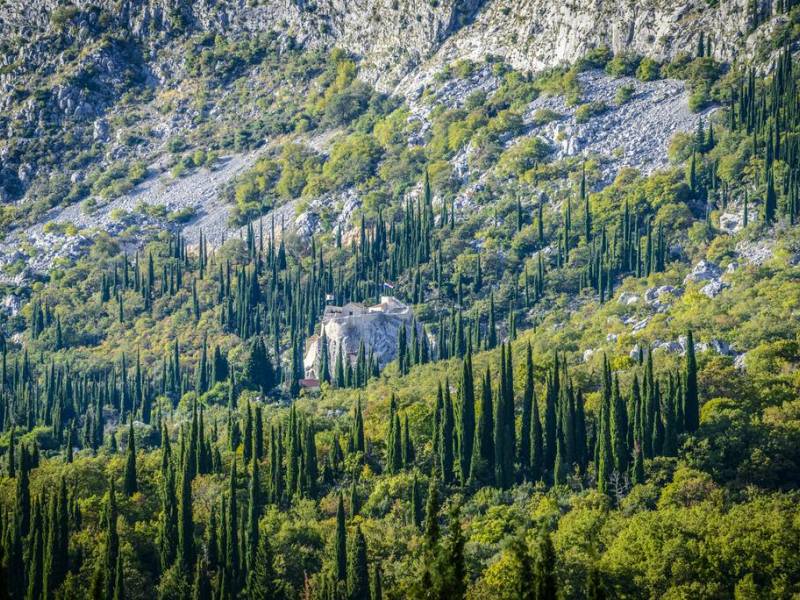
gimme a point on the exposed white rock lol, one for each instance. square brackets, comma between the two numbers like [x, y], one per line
[11, 305]
[705, 270]
[731, 222]
[714, 288]
[755, 252]
[628, 298]
[347, 327]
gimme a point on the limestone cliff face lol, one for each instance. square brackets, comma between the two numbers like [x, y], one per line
[81, 58]
[377, 327]
[394, 37]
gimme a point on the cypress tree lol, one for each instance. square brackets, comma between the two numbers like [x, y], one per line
[394, 458]
[691, 403]
[416, 503]
[22, 507]
[262, 585]
[605, 458]
[446, 437]
[35, 558]
[524, 451]
[408, 445]
[619, 430]
[119, 580]
[357, 573]
[377, 583]
[201, 590]
[544, 570]
[482, 465]
[111, 554]
[340, 544]
[253, 511]
[185, 554]
[130, 485]
[466, 418]
[432, 515]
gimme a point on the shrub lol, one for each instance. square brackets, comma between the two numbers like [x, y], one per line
[523, 156]
[596, 58]
[352, 160]
[624, 64]
[624, 93]
[648, 70]
[699, 99]
[591, 109]
[543, 116]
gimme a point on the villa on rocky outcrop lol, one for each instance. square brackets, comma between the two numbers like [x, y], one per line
[346, 327]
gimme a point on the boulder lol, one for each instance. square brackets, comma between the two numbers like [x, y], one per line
[628, 298]
[730, 222]
[714, 288]
[705, 270]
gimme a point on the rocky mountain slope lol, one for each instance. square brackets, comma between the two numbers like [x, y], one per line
[81, 58]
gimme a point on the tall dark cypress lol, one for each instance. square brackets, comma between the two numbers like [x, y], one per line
[524, 450]
[466, 418]
[261, 579]
[186, 551]
[340, 544]
[357, 572]
[253, 512]
[545, 570]
[130, 485]
[691, 402]
[605, 458]
[619, 430]
[482, 465]
[446, 445]
[111, 554]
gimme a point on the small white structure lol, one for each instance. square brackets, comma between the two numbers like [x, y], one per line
[377, 326]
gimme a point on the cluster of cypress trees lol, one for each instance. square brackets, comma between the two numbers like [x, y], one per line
[556, 437]
[769, 112]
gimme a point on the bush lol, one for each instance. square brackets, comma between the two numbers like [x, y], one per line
[523, 156]
[624, 64]
[648, 70]
[344, 107]
[586, 111]
[624, 93]
[596, 58]
[543, 116]
[699, 99]
[352, 160]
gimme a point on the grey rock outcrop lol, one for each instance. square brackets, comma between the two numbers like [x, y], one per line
[377, 327]
[705, 270]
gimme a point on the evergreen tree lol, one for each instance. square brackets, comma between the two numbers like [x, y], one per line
[482, 465]
[452, 566]
[524, 451]
[691, 402]
[261, 582]
[446, 437]
[466, 418]
[185, 553]
[357, 573]
[108, 568]
[130, 485]
[544, 570]
[416, 503]
[340, 544]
